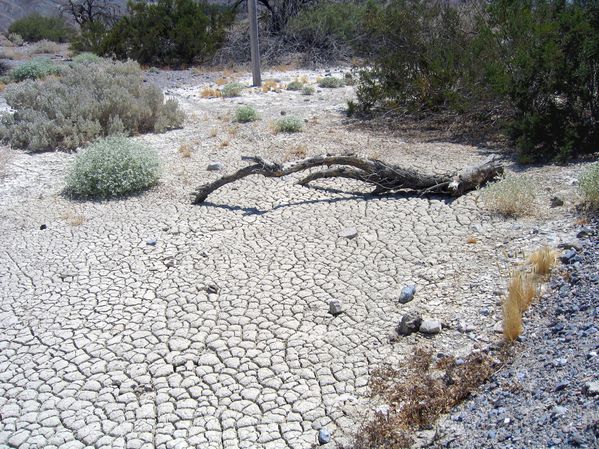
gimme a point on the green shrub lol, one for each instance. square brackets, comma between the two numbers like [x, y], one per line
[588, 184]
[232, 90]
[111, 167]
[295, 85]
[330, 82]
[308, 90]
[87, 101]
[34, 28]
[289, 125]
[510, 196]
[168, 32]
[90, 38]
[35, 69]
[86, 58]
[245, 114]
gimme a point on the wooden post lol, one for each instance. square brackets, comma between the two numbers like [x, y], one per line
[254, 47]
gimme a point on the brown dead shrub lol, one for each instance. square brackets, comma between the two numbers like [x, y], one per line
[543, 260]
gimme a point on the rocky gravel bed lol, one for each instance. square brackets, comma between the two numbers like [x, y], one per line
[548, 396]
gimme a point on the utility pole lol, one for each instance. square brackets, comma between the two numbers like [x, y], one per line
[254, 48]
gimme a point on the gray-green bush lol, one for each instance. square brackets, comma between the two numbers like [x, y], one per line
[308, 90]
[35, 69]
[111, 167]
[245, 114]
[289, 125]
[330, 82]
[588, 184]
[510, 196]
[295, 85]
[232, 90]
[86, 102]
[86, 58]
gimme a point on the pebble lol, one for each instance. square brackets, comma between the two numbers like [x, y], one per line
[409, 324]
[556, 201]
[214, 166]
[151, 242]
[407, 294]
[324, 436]
[335, 307]
[430, 327]
[591, 388]
[348, 233]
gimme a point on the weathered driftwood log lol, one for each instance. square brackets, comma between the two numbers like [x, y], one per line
[385, 178]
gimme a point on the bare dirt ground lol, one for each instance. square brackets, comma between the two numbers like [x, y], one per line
[219, 336]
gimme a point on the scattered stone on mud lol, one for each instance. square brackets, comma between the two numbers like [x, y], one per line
[215, 166]
[409, 324]
[407, 294]
[335, 307]
[348, 233]
[430, 327]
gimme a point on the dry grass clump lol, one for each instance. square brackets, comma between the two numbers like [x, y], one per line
[185, 150]
[208, 92]
[417, 395]
[512, 318]
[269, 85]
[2, 86]
[471, 240]
[72, 218]
[45, 47]
[543, 260]
[523, 289]
[510, 196]
[213, 132]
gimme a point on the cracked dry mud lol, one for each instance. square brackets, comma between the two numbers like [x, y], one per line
[219, 336]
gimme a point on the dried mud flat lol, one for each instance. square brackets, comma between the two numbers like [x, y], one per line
[219, 336]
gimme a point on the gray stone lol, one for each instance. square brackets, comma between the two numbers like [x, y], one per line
[498, 328]
[151, 242]
[465, 327]
[324, 436]
[591, 388]
[556, 201]
[215, 166]
[335, 307]
[409, 323]
[348, 233]
[430, 327]
[407, 294]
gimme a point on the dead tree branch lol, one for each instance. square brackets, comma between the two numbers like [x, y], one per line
[385, 178]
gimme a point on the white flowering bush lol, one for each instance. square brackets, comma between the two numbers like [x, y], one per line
[87, 101]
[112, 167]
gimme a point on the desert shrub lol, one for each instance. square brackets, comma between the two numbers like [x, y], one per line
[289, 125]
[232, 90]
[308, 90]
[295, 85]
[16, 39]
[110, 167]
[244, 114]
[35, 27]
[328, 31]
[90, 37]
[86, 102]
[167, 32]
[35, 69]
[510, 196]
[86, 58]
[331, 82]
[45, 46]
[588, 183]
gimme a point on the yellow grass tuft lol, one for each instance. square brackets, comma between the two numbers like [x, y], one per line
[210, 93]
[522, 288]
[543, 260]
[185, 150]
[2, 86]
[221, 81]
[213, 132]
[269, 85]
[471, 240]
[224, 143]
[512, 319]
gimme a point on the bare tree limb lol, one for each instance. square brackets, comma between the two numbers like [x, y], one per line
[385, 178]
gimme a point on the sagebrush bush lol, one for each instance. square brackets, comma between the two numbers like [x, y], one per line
[232, 90]
[289, 125]
[35, 27]
[510, 196]
[331, 82]
[295, 85]
[308, 90]
[86, 102]
[245, 114]
[16, 39]
[86, 58]
[588, 184]
[35, 69]
[168, 32]
[45, 46]
[111, 167]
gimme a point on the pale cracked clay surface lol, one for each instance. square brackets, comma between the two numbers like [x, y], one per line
[219, 336]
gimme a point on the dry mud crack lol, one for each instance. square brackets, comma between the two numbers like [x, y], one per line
[219, 336]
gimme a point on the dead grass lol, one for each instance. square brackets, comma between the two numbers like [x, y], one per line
[471, 240]
[224, 143]
[2, 86]
[295, 152]
[233, 130]
[512, 319]
[210, 93]
[417, 395]
[542, 261]
[269, 85]
[72, 218]
[221, 81]
[522, 289]
[185, 150]
[213, 133]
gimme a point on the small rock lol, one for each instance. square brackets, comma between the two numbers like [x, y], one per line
[283, 113]
[498, 328]
[409, 323]
[568, 256]
[465, 327]
[407, 294]
[215, 166]
[562, 385]
[570, 245]
[151, 242]
[591, 388]
[212, 288]
[169, 262]
[335, 307]
[558, 410]
[556, 201]
[324, 436]
[430, 327]
[383, 410]
[348, 233]
[584, 232]
[42, 227]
